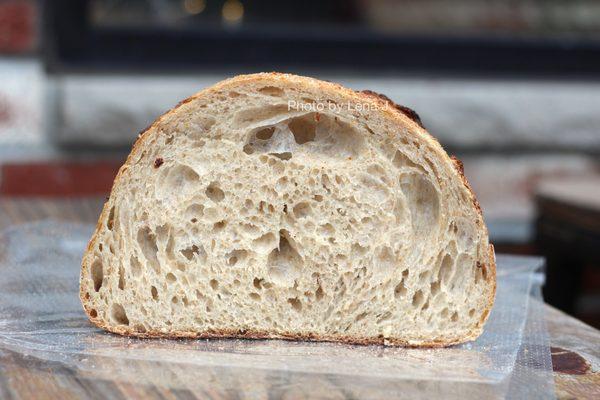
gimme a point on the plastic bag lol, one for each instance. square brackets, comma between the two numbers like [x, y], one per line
[41, 316]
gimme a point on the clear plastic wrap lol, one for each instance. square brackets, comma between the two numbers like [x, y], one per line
[41, 316]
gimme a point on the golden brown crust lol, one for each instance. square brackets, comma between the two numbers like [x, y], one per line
[406, 116]
[461, 171]
[492, 276]
[409, 112]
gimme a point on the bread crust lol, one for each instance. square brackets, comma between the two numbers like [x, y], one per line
[402, 116]
[263, 335]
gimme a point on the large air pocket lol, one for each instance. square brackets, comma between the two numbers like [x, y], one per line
[316, 133]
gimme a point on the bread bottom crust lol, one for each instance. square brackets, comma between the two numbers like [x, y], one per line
[265, 335]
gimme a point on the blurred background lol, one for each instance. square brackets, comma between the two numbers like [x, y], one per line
[512, 87]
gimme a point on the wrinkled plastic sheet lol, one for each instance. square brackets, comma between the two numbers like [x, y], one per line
[41, 316]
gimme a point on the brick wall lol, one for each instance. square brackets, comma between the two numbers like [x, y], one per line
[18, 26]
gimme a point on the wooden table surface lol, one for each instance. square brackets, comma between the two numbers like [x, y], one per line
[575, 345]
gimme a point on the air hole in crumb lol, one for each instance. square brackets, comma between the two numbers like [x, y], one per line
[219, 226]
[281, 183]
[257, 283]
[304, 129]
[255, 296]
[111, 218]
[400, 290]
[402, 160]
[326, 182]
[174, 300]
[454, 317]
[318, 198]
[118, 315]
[214, 284]
[154, 292]
[171, 277]
[214, 192]
[445, 271]
[97, 272]
[386, 258]
[248, 149]
[147, 242]
[190, 251]
[140, 328]
[283, 261]
[263, 206]
[471, 312]
[177, 179]
[93, 313]
[271, 91]
[236, 256]
[121, 277]
[282, 156]
[265, 242]
[418, 298]
[265, 134]
[319, 294]
[296, 304]
[302, 210]
[435, 288]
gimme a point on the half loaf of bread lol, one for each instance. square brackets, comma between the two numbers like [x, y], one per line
[280, 206]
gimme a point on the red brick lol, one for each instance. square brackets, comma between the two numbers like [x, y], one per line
[17, 26]
[58, 179]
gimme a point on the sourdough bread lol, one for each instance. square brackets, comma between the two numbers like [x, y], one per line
[280, 206]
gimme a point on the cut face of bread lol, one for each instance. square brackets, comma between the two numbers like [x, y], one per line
[278, 206]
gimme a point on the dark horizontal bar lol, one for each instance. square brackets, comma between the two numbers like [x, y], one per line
[79, 47]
